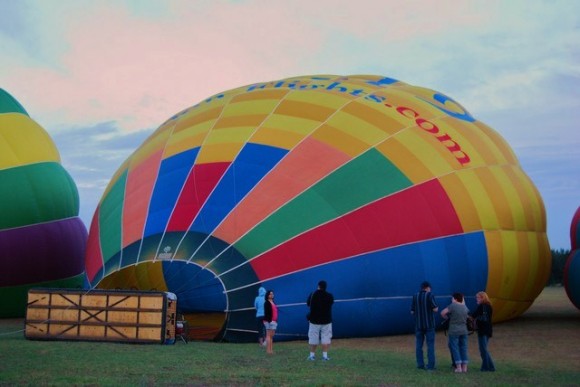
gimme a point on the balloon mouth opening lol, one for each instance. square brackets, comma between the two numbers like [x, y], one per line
[211, 278]
[201, 296]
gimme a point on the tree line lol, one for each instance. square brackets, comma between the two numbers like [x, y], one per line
[559, 258]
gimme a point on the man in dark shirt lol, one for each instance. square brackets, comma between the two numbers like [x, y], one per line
[423, 308]
[320, 317]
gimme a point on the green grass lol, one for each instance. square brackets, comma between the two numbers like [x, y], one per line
[521, 350]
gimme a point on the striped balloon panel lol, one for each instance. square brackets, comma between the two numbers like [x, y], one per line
[42, 239]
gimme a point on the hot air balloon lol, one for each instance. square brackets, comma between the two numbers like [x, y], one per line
[572, 267]
[364, 181]
[42, 239]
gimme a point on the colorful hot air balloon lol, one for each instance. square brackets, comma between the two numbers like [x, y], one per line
[42, 239]
[364, 181]
[572, 268]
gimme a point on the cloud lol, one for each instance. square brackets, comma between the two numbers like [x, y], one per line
[91, 155]
[101, 76]
[118, 66]
[138, 63]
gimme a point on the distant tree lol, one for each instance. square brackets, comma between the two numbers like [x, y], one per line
[559, 258]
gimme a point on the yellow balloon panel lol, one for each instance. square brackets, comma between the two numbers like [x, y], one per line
[517, 270]
[23, 141]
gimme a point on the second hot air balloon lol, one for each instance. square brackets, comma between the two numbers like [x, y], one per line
[572, 267]
[42, 239]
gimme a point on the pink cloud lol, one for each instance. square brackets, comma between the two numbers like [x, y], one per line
[138, 71]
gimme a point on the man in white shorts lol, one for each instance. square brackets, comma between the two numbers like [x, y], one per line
[320, 318]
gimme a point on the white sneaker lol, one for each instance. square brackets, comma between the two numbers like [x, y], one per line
[326, 358]
[311, 358]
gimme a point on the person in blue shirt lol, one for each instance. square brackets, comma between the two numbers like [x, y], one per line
[259, 306]
[423, 309]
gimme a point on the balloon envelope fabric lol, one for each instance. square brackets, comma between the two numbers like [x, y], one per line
[572, 267]
[364, 181]
[42, 239]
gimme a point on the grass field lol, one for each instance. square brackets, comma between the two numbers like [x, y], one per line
[542, 347]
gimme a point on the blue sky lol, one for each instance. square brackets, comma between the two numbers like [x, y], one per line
[100, 76]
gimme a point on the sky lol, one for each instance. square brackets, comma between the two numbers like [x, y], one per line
[100, 76]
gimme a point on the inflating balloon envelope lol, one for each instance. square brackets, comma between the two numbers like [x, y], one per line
[364, 181]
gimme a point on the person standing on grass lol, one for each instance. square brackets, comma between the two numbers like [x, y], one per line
[482, 316]
[259, 306]
[270, 320]
[423, 309]
[320, 320]
[457, 313]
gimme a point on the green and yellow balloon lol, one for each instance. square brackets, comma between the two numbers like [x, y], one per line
[42, 239]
